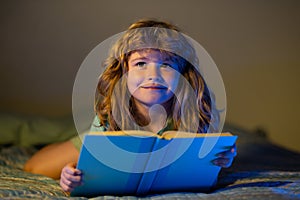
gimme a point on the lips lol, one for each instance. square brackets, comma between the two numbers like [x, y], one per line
[154, 87]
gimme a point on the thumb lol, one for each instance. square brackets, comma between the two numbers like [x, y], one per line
[73, 168]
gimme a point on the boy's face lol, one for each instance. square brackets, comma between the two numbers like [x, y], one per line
[151, 77]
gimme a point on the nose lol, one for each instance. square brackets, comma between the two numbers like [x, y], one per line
[153, 71]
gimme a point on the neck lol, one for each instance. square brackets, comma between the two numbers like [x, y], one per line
[152, 118]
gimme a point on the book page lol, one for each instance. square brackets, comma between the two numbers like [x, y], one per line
[166, 135]
[180, 134]
[137, 133]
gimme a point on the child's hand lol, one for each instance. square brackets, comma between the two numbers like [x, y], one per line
[70, 177]
[225, 158]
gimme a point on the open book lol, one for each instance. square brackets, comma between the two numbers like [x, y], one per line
[140, 162]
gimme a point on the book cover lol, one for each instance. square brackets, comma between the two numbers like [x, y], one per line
[139, 162]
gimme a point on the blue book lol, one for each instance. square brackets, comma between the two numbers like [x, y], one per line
[141, 162]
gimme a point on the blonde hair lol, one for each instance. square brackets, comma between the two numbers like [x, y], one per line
[113, 103]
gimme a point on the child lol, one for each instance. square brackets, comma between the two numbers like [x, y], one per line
[149, 83]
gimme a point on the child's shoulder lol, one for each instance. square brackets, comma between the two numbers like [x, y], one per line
[96, 125]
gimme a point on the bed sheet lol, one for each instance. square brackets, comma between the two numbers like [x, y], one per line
[232, 184]
[261, 170]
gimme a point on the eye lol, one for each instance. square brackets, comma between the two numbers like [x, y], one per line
[141, 64]
[166, 65]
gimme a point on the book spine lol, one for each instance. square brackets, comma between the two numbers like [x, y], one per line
[149, 174]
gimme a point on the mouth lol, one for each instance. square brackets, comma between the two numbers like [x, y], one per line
[154, 87]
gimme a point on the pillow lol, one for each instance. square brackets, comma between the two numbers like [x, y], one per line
[29, 131]
[256, 152]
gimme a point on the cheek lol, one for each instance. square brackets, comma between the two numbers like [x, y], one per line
[173, 81]
[131, 88]
[132, 82]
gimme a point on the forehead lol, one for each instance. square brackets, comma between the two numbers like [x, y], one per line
[151, 54]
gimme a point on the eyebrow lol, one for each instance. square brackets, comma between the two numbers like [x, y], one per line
[145, 58]
[139, 58]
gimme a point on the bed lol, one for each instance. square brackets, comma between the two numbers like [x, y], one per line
[261, 170]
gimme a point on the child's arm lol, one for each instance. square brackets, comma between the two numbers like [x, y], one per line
[70, 177]
[50, 160]
[224, 159]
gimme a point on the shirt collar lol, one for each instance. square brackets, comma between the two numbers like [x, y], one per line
[169, 126]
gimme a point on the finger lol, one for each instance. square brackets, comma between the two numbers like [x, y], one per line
[73, 178]
[70, 169]
[232, 152]
[233, 147]
[226, 154]
[65, 186]
[222, 162]
[73, 181]
[65, 181]
[74, 169]
[71, 174]
[69, 185]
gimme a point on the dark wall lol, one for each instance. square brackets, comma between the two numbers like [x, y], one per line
[255, 44]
